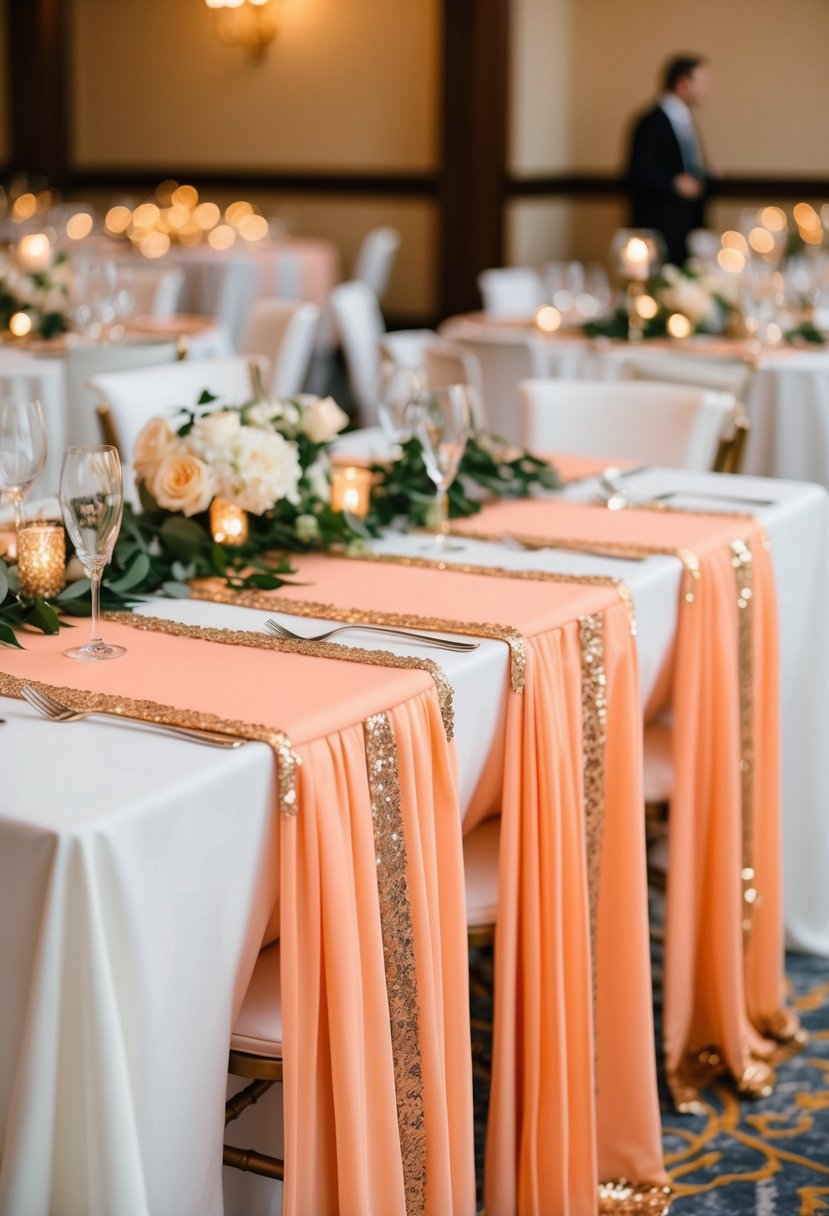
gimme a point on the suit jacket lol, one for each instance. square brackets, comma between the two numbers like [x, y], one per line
[655, 160]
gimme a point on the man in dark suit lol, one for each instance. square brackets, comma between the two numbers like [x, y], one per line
[667, 176]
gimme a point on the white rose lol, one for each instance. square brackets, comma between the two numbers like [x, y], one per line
[689, 297]
[318, 481]
[323, 419]
[151, 446]
[260, 468]
[183, 483]
[215, 431]
[263, 413]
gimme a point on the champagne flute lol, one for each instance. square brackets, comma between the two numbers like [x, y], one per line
[92, 502]
[22, 449]
[442, 421]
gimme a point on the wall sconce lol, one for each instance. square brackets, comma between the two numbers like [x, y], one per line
[245, 23]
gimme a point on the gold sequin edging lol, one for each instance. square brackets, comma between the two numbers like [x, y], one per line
[268, 602]
[398, 953]
[169, 715]
[623, 1198]
[319, 650]
[743, 563]
[594, 735]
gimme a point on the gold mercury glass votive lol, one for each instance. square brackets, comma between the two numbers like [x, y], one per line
[228, 523]
[41, 559]
[351, 489]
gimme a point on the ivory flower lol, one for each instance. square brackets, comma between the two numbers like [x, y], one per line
[152, 444]
[323, 419]
[183, 483]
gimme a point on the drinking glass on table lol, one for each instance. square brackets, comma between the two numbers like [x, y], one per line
[92, 502]
[442, 421]
[22, 449]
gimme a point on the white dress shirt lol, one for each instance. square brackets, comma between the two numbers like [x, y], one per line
[681, 119]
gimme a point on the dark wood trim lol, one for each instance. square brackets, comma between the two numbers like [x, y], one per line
[305, 181]
[577, 185]
[473, 146]
[38, 47]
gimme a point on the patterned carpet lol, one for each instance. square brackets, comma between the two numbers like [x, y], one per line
[744, 1158]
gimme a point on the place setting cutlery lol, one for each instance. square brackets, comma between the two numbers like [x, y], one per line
[513, 542]
[56, 711]
[287, 635]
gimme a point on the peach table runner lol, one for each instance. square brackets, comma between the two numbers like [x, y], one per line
[573, 1096]
[723, 1001]
[377, 1077]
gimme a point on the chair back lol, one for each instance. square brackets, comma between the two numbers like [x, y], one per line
[155, 289]
[134, 397]
[360, 326]
[724, 375]
[375, 259]
[449, 363]
[282, 331]
[503, 362]
[511, 291]
[665, 424]
[84, 363]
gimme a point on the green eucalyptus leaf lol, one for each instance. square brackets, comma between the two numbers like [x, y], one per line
[12, 578]
[137, 572]
[176, 591]
[4, 582]
[8, 637]
[184, 538]
[74, 590]
[43, 617]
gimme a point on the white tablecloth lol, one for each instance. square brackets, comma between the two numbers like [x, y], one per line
[138, 870]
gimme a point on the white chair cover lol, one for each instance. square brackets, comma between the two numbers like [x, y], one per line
[665, 424]
[155, 289]
[375, 259]
[134, 397]
[505, 361]
[511, 291]
[724, 375]
[449, 363]
[283, 332]
[85, 362]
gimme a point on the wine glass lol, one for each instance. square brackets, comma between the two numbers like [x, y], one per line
[442, 421]
[22, 449]
[92, 502]
[399, 387]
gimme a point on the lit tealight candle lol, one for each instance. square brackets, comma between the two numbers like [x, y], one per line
[34, 252]
[548, 319]
[41, 559]
[678, 325]
[636, 260]
[20, 324]
[351, 490]
[228, 523]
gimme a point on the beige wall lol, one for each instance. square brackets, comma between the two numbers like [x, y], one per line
[768, 111]
[541, 101]
[345, 86]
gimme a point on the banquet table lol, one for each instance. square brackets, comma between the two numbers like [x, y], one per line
[225, 284]
[786, 392]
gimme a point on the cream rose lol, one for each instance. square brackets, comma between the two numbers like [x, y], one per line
[213, 432]
[183, 483]
[322, 420]
[152, 445]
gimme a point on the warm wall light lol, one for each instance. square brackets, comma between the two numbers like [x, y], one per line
[248, 24]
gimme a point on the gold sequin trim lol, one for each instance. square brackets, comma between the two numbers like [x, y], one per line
[169, 715]
[319, 650]
[622, 1198]
[594, 735]
[537, 576]
[399, 954]
[742, 562]
[268, 602]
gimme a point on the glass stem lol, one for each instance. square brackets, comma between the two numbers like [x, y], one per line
[443, 514]
[95, 588]
[17, 506]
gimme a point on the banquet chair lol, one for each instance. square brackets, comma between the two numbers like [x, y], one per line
[664, 424]
[86, 363]
[129, 399]
[256, 1053]
[155, 290]
[505, 361]
[283, 332]
[448, 363]
[696, 371]
[362, 332]
[511, 291]
[375, 259]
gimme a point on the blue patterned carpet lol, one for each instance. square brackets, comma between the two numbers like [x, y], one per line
[751, 1158]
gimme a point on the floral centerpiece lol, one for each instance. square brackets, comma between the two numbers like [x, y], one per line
[674, 303]
[35, 302]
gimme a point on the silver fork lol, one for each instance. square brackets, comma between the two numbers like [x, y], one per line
[288, 635]
[512, 542]
[55, 711]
